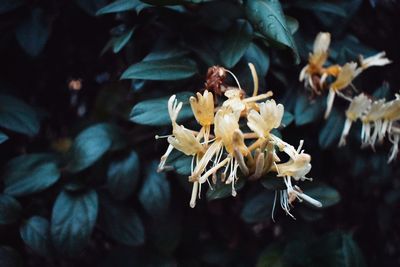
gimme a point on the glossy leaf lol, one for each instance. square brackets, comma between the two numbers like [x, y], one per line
[258, 207]
[33, 32]
[307, 111]
[90, 145]
[29, 174]
[332, 130]
[268, 18]
[271, 182]
[237, 40]
[36, 234]
[72, 222]
[327, 195]
[155, 111]
[118, 6]
[123, 176]
[10, 209]
[121, 223]
[162, 70]
[17, 116]
[222, 190]
[155, 193]
[259, 57]
[3, 137]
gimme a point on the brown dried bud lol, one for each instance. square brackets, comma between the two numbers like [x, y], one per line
[215, 78]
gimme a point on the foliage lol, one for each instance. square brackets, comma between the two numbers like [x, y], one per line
[84, 91]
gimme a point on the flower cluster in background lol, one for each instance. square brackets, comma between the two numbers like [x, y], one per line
[380, 118]
[235, 141]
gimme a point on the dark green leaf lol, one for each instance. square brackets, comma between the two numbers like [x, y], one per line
[258, 207]
[382, 92]
[33, 32]
[319, 6]
[10, 209]
[3, 137]
[268, 18]
[237, 40]
[10, 257]
[155, 111]
[36, 234]
[327, 195]
[332, 129]
[161, 70]
[307, 111]
[90, 145]
[121, 41]
[72, 222]
[272, 182]
[17, 116]
[118, 6]
[182, 165]
[287, 118]
[293, 24]
[8, 5]
[155, 193]
[123, 176]
[121, 223]
[222, 190]
[337, 250]
[166, 53]
[259, 57]
[30, 173]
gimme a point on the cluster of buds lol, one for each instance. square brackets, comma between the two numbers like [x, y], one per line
[315, 74]
[235, 140]
[379, 118]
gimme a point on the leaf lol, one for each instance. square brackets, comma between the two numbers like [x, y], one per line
[332, 129]
[36, 234]
[29, 174]
[327, 195]
[10, 209]
[237, 40]
[155, 193]
[10, 257]
[120, 41]
[182, 165]
[293, 24]
[118, 6]
[287, 118]
[17, 116]
[306, 111]
[271, 182]
[3, 137]
[33, 32]
[91, 6]
[90, 145]
[120, 222]
[382, 92]
[268, 18]
[72, 222]
[9, 5]
[258, 207]
[318, 6]
[154, 112]
[222, 190]
[161, 70]
[259, 57]
[123, 176]
[337, 249]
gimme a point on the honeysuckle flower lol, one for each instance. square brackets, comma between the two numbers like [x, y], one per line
[343, 80]
[375, 60]
[358, 106]
[372, 119]
[203, 108]
[297, 167]
[316, 59]
[269, 118]
[394, 138]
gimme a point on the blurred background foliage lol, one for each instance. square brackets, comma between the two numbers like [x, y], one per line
[79, 185]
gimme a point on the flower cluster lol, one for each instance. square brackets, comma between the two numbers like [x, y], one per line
[315, 74]
[379, 118]
[235, 141]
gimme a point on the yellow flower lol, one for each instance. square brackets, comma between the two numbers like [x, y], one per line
[297, 167]
[184, 140]
[270, 117]
[203, 108]
[225, 124]
[358, 107]
[344, 79]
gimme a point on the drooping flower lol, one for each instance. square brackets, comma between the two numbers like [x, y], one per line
[375, 60]
[358, 106]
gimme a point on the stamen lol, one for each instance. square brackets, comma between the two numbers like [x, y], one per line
[257, 98]
[234, 77]
[204, 177]
[259, 167]
[194, 194]
[255, 78]
[240, 160]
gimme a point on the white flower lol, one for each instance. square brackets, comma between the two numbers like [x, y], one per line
[269, 118]
[375, 60]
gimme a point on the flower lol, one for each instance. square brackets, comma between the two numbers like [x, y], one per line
[270, 117]
[344, 79]
[203, 108]
[376, 60]
[358, 106]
